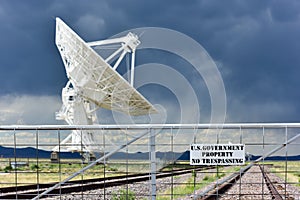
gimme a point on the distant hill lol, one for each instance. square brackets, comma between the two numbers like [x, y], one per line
[29, 152]
[282, 158]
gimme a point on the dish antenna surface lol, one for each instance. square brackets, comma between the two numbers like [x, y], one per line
[94, 83]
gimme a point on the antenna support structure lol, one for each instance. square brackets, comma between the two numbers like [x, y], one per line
[93, 83]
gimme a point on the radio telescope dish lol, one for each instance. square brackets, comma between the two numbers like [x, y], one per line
[94, 77]
[94, 83]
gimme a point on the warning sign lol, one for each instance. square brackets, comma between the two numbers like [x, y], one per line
[217, 154]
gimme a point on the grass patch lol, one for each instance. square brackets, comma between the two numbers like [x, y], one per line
[291, 167]
[43, 171]
[177, 165]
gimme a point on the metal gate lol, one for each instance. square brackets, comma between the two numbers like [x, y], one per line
[149, 161]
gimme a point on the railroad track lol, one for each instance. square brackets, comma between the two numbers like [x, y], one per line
[222, 188]
[252, 188]
[274, 193]
[31, 191]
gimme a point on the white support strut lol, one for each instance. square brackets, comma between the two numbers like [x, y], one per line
[132, 68]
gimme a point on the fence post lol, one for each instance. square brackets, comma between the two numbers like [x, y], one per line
[153, 164]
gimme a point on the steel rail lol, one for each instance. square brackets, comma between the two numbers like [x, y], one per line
[274, 192]
[221, 187]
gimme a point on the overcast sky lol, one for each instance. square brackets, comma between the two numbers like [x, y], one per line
[255, 45]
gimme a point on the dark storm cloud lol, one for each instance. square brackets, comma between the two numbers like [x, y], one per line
[27, 61]
[255, 44]
[264, 65]
[254, 41]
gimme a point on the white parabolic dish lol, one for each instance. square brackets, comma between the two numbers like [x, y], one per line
[94, 78]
